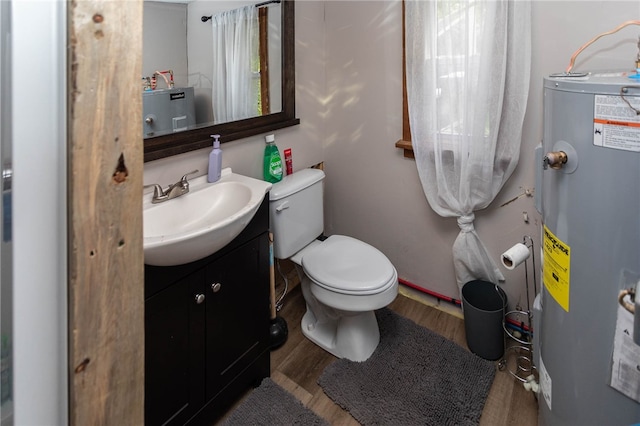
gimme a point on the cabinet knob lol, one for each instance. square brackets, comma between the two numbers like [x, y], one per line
[216, 287]
[199, 298]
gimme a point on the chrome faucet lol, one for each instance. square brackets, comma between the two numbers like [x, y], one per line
[174, 190]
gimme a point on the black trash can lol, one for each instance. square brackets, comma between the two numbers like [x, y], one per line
[483, 306]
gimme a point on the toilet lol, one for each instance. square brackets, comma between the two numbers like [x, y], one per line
[343, 280]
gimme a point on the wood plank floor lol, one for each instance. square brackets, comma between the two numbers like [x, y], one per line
[297, 365]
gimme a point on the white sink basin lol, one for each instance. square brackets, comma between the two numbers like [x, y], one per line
[201, 222]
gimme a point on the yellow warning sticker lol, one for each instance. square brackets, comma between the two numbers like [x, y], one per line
[556, 261]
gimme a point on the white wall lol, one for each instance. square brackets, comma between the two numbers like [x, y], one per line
[165, 44]
[374, 193]
[39, 213]
[348, 88]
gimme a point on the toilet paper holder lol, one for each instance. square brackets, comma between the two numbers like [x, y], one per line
[525, 368]
[518, 254]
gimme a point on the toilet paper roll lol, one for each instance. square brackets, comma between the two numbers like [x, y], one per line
[515, 256]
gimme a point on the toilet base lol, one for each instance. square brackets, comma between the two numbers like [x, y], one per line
[352, 335]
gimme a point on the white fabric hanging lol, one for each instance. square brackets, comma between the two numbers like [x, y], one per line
[468, 67]
[235, 46]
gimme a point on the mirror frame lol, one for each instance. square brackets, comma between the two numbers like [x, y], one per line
[190, 140]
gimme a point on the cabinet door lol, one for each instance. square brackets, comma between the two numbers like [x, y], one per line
[237, 312]
[174, 352]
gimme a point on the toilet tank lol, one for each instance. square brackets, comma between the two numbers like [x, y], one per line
[296, 211]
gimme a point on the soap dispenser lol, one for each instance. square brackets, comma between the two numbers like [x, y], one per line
[215, 160]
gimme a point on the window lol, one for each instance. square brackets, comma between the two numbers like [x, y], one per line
[453, 17]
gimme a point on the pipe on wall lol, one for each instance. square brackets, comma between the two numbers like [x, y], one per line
[519, 326]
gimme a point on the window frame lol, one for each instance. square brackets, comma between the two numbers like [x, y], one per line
[405, 143]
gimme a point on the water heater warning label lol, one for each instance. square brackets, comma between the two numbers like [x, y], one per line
[556, 261]
[615, 123]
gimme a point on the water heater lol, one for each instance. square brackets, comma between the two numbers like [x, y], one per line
[168, 110]
[588, 362]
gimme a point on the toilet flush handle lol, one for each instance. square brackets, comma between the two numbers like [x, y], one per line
[282, 206]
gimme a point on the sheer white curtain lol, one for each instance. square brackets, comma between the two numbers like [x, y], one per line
[468, 66]
[235, 46]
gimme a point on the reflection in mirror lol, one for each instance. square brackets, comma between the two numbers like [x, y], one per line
[193, 84]
[223, 67]
[246, 40]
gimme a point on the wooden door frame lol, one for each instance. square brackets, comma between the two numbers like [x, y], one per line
[105, 174]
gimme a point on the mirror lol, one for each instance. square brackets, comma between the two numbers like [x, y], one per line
[197, 135]
[220, 62]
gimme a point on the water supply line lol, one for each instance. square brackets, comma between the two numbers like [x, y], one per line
[511, 323]
[280, 301]
[593, 40]
[438, 296]
[168, 81]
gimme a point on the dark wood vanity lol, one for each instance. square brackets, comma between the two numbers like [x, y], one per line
[207, 322]
[207, 329]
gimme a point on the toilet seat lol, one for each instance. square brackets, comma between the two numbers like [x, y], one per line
[349, 266]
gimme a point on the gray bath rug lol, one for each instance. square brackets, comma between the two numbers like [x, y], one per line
[271, 405]
[414, 377]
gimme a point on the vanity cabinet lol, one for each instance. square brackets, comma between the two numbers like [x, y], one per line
[207, 329]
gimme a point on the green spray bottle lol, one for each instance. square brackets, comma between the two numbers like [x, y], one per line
[272, 161]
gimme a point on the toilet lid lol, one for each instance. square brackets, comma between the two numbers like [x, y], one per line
[346, 265]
